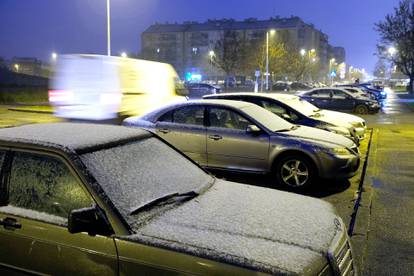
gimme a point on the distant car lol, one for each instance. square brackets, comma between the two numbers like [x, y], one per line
[241, 136]
[119, 201]
[339, 99]
[298, 111]
[281, 86]
[378, 91]
[298, 86]
[198, 90]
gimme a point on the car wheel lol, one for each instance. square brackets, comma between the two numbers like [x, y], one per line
[295, 172]
[361, 109]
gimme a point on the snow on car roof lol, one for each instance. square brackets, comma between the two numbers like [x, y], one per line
[75, 136]
[278, 96]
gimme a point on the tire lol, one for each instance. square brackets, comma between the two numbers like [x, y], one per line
[361, 109]
[295, 172]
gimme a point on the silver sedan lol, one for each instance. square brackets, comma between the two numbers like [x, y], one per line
[241, 136]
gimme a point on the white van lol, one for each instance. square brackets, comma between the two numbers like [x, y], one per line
[96, 87]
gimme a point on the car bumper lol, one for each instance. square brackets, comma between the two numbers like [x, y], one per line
[339, 167]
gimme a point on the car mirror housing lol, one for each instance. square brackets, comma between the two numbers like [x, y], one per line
[253, 129]
[88, 220]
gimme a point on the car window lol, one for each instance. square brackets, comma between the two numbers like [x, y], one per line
[2, 155]
[338, 94]
[279, 110]
[192, 115]
[45, 184]
[166, 117]
[224, 118]
[321, 94]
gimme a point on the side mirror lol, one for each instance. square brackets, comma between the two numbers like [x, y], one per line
[88, 220]
[286, 116]
[253, 129]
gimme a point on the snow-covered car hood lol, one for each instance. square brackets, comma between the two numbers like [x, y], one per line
[319, 135]
[253, 227]
[338, 118]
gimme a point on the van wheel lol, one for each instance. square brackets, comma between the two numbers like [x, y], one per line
[295, 172]
[361, 109]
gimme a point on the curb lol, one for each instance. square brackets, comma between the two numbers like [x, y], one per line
[361, 227]
[30, 110]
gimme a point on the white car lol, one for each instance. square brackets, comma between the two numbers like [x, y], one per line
[298, 111]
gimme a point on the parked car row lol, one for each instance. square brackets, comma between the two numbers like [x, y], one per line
[85, 199]
[242, 136]
[340, 99]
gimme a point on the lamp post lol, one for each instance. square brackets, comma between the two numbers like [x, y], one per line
[124, 55]
[211, 55]
[108, 30]
[54, 56]
[267, 57]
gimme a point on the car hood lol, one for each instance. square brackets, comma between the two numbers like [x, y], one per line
[338, 118]
[253, 227]
[318, 135]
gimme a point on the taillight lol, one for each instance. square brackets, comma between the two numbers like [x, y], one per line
[60, 96]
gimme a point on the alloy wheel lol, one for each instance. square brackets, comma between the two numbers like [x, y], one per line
[294, 173]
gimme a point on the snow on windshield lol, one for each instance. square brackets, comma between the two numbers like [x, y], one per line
[301, 105]
[137, 173]
[269, 120]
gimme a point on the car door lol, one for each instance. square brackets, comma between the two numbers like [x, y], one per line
[321, 98]
[41, 190]
[341, 100]
[184, 128]
[230, 146]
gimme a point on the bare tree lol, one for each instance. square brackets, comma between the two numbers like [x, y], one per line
[228, 52]
[397, 30]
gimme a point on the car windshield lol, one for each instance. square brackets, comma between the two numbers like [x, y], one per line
[302, 106]
[269, 120]
[135, 174]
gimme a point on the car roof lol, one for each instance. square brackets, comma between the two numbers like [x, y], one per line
[276, 96]
[78, 137]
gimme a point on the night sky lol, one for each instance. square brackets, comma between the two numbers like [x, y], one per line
[36, 28]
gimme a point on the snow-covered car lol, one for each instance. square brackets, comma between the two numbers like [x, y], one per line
[83, 199]
[243, 137]
[298, 111]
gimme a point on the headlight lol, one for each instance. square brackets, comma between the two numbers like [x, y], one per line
[338, 130]
[337, 151]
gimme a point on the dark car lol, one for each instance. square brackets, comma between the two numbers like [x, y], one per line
[84, 199]
[299, 86]
[339, 99]
[198, 90]
[281, 86]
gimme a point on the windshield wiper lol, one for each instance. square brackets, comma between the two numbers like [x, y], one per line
[164, 199]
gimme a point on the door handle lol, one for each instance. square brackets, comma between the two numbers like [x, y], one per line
[163, 130]
[10, 223]
[215, 137]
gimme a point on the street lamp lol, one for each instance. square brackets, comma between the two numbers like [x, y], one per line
[392, 50]
[303, 52]
[54, 56]
[272, 32]
[124, 55]
[108, 25]
[211, 55]
[16, 66]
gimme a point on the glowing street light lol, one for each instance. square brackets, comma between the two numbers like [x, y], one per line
[272, 32]
[16, 66]
[211, 53]
[303, 52]
[124, 55]
[54, 56]
[392, 50]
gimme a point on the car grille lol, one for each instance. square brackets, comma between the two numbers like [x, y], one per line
[355, 150]
[340, 256]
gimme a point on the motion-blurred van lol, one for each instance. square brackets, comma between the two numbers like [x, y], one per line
[96, 87]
